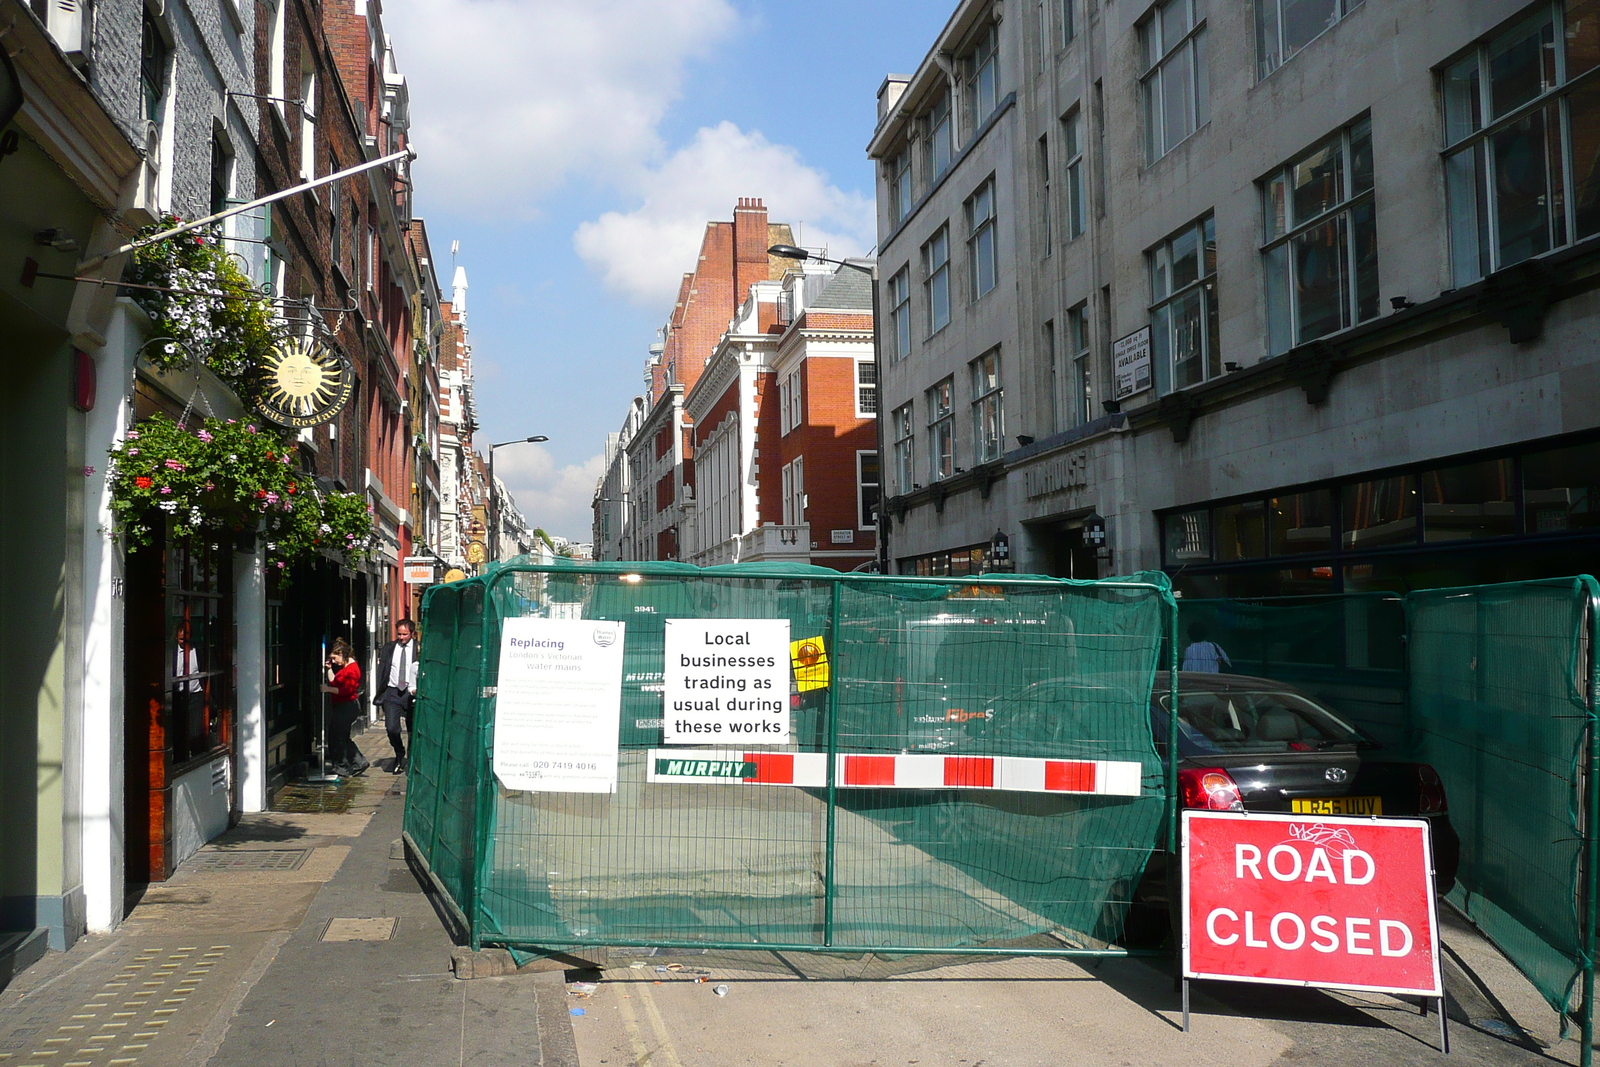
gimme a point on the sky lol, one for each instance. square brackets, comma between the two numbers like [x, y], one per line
[576, 151]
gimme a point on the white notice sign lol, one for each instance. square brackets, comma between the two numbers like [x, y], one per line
[726, 682]
[1130, 363]
[558, 705]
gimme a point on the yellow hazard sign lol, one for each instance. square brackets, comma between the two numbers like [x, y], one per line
[809, 656]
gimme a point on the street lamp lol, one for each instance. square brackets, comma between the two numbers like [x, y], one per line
[494, 497]
[868, 267]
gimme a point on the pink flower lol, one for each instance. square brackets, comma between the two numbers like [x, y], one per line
[133, 451]
[133, 435]
[209, 487]
[250, 429]
[174, 465]
[166, 490]
[88, 472]
[280, 564]
[272, 498]
[232, 421]
[203, 435]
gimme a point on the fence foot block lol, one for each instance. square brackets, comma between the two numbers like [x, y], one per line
[498, 963]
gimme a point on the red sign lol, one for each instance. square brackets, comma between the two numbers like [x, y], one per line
[1307, 900]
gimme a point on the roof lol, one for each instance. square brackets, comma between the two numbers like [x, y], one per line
[848, 290]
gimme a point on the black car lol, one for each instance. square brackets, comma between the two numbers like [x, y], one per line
[1255, 744]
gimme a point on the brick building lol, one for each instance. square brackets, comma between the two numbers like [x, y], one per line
[784, 427]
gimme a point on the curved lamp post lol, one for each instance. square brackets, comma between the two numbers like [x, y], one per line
[494, 496]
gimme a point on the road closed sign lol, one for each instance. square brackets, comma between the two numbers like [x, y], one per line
[1302, 900]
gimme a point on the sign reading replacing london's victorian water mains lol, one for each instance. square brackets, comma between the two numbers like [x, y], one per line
[726, 681]
[557, 705]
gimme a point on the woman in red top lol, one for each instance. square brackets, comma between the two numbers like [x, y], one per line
[344, 682]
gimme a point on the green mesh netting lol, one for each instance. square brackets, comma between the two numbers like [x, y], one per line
[1488, 684]
[1499, 694]
[1034, 668]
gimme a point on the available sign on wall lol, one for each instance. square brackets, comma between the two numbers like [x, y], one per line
[726, 681]
[558, 705]
[1130, 363]
[1303, 900]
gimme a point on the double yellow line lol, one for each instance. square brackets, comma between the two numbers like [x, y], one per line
[663, 1054]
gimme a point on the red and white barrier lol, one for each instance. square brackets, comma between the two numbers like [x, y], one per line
[1020, 774]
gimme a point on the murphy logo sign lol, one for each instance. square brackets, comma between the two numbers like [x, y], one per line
[692, 768]
[1059, 475]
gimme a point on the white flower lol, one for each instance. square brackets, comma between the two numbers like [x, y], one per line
[168, 505]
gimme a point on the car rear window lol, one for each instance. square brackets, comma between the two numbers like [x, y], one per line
[1255, 721]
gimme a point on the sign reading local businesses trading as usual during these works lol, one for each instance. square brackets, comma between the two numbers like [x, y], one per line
[558, 705]
[726, 681]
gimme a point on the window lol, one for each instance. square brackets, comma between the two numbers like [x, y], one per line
[308, 119]
[899, 180]
[866, 389]
[988, 421]
[797, 402]
[1468, 502]
[1519, 181]
[1283, 27]
[1381, 512]
[1072, 149]
[936, 279]
[371, 270]
[1183, 307]
[794, 492]
[900, 425]
[277, 84]
[1058, 387]
[1044, 194]
[900, 315]
[1068, 26]
[1322, 241]
[1241, 530]
[153, 58]
[1176, 82]
[1044, 33]
[221, 173]
[784, 426]
[941, 431]
[983, 79]
[336, 255]
[1188, 536]
[1299, 523]
[867, 490]
[938, 144]
[1561, 489]
[1078, 336]
[982, 265]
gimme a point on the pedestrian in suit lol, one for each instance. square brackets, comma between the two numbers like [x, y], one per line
[397, 688]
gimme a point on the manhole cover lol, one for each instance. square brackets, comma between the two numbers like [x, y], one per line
[359, 929]
[262, 859]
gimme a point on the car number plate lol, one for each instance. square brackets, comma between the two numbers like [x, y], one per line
[1338, 806]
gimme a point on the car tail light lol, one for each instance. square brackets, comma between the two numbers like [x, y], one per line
[1430, 791]
[1209, 789]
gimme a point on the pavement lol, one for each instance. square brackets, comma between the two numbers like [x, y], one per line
[306, 939]
[295, 939]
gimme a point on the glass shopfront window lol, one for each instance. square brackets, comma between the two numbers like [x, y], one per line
[199, 664]
[1380, 512]
[1189, 537]
[1467, 502]
[1561, 490]
[1301, 522]
[1241, 530]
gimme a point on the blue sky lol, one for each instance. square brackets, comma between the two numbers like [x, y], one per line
[576, 151]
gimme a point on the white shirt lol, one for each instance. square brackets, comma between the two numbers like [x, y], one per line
[403, 666]
[186, 661]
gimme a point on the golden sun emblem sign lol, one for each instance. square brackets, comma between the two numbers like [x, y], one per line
[306, 384]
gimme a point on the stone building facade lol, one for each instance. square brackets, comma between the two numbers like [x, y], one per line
[1282, 304]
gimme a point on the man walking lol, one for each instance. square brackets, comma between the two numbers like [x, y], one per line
[397, 688]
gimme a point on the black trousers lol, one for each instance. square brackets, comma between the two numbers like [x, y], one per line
[341, 749]
[397, 718]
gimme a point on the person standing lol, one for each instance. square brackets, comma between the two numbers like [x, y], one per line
[397, 688]
[1203, 654]
[344, 683]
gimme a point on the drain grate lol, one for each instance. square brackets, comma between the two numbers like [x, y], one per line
[255, 859]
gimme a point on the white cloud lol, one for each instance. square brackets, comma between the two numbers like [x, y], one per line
[643, 253]
[556, 499]
[514, 96]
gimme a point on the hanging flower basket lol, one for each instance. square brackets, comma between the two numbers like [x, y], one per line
[223, 479]
[204, 307]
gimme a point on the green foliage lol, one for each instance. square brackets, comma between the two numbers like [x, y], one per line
[227, 478]
[217, 316]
